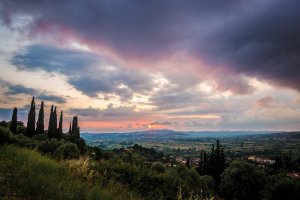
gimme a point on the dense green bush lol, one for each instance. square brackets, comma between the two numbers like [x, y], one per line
[49, 147]
[67, 151]
[210, 182]
[80, 144]
[242, 180]
[158, 167]
[24, 141]
[42, 137]
[285, 188]
[5, 135]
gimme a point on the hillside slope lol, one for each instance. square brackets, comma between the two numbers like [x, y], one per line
[26, 174]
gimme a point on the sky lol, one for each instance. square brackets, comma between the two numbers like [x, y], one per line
[161, 64]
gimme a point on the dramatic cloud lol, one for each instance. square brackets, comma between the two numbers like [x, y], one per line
[235, 84]
[203, 64]
[52, 98]
[87, 72]
[175, 97]
[256, 38]
[12, 90]
[261, 42]
[20, 89]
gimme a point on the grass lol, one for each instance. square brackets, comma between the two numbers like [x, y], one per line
[32, 176]
[26, 174]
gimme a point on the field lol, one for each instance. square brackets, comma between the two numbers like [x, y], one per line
[190, 144]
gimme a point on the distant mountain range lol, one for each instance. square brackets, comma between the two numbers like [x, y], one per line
[172, 134]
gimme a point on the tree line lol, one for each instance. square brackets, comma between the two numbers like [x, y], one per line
[213, 163]
[37, 127]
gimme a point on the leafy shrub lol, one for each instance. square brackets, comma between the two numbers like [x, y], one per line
[242, 180]
[42, 136]
[4, 124]
[67, 151]
[49, 147]
[24, 141]
[285, 188]
[80, 144]
[158, 167]
[5, 135]
[210, 182]
[95, 153]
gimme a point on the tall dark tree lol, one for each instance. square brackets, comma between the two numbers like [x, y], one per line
[75, 135]
[31, 120]
[40, 122]
[14, 121]
[54, 123]
[70, 128]
[219, 162]
[50, 126]
[203, 164]
[213, 164]
[216, 162]
[75, 132]
[60, 131]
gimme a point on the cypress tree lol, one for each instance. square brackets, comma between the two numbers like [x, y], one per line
[40, 122]
[13, 124]
[31, 120]
[216, 162]
[60, 131]
[74, 124]
[70, 129]
[203, 164]
[75, 135]
[75, 129]
[54, 123]
[50, 129]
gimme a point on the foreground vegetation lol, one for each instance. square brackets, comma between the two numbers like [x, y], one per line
[38, 173]
[26, 174]
[60, 165]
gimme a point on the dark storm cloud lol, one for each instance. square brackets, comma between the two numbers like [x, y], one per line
[20, 89]
[52, 98]
[256, 38]
[136, 27]
[87, 72]
[54, 59]
[263, 43]
[12, 90]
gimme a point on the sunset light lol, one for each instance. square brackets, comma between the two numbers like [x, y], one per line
[182, 65]
[150, 99]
